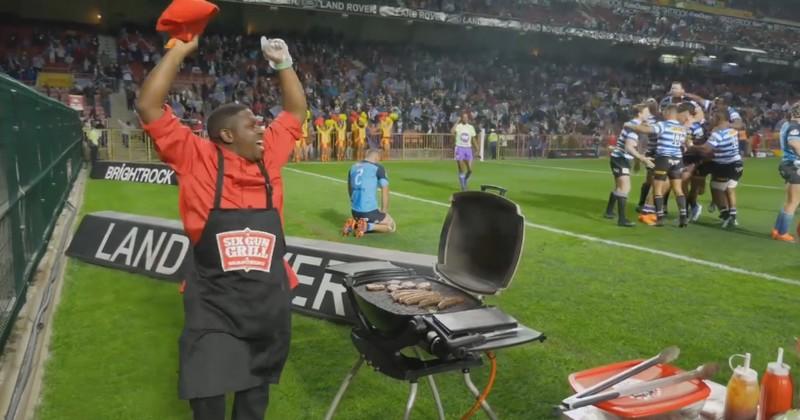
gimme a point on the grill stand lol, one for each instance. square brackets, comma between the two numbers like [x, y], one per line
[484, 404]
[412, 394]
[382, 350]
[343, 388]
[435, 392]
[412, 398]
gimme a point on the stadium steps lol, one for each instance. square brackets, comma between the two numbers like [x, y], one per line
[107, 45]
[119, 108]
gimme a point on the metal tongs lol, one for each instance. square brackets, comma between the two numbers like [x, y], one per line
[595, 394]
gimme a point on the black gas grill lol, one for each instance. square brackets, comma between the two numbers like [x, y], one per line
[479, 250]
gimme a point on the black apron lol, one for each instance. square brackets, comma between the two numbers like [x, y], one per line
[237, 318]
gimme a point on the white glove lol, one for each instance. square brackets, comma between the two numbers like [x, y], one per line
[277, 53]
[797, 164]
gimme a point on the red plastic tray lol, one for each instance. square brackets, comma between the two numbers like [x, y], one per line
[659, 401]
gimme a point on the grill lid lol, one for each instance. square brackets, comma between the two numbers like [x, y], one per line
[481, 242]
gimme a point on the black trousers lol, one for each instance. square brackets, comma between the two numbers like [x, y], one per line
[93, 154]
[250, 404]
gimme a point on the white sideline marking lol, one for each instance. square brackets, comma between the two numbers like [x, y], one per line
[594, 171]
[672, 255]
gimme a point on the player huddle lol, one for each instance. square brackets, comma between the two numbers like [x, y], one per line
[689, 138]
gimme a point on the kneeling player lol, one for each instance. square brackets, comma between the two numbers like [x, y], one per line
[621, 156]
[727, 167]
[363, 182]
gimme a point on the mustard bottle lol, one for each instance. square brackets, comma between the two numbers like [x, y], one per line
[741, 402]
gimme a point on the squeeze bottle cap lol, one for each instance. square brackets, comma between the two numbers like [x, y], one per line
[745, 372]
[778, 368]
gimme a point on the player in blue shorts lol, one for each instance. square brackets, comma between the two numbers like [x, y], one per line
[790, 172]
[363, 182]
[465, 144]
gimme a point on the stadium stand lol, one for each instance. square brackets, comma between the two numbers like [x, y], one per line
[526, 96]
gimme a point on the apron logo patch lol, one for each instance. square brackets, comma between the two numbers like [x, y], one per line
[246, 250]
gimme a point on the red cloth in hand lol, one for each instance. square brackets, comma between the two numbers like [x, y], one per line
[186, 19]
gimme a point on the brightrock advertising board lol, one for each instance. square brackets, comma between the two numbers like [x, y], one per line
[147, 173]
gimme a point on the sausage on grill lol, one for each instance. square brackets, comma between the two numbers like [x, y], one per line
[431, 301]
[400, 294]
[450, 302]
[414, 293]
[376, 287]
[416, 299]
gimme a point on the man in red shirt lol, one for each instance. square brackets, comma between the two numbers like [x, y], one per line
[237, 306]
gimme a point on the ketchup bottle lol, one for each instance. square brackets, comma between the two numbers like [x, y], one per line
[776, 389]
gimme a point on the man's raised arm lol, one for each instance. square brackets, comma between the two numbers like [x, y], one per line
[156, 87]
[294, 97]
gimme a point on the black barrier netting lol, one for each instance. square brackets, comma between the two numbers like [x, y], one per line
[40, 157]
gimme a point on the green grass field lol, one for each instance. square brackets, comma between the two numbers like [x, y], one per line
[114, 349]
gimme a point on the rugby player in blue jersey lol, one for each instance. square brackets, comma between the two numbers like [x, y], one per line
[790, 172]
[364, 180]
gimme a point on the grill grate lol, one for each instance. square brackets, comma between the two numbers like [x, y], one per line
[383, 300]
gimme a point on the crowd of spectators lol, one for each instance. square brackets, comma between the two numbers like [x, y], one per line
[428, 92]
[26, 50]
[713, 31]
[515, 94]
[782, 9]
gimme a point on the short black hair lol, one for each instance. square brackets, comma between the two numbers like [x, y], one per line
[219, 119]
[721, 115]
[686, 107]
